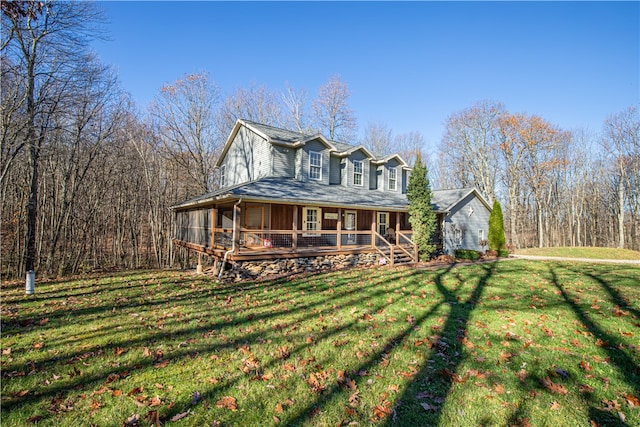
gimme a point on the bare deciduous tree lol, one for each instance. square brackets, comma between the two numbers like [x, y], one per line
[46, 41]
[184, 119]
[621, 140]
[332, 112]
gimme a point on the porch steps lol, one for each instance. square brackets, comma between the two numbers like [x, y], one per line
[400, 257]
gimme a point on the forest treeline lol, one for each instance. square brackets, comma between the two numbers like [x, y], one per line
[87, 179]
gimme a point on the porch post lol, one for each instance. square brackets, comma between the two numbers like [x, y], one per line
[236, 227]
[339, 230]
[373, 229]
[214, 222]
[294, 236]
[397, 228]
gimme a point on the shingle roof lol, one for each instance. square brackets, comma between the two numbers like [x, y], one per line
[290, 136]
[278, 134]
[287, 190]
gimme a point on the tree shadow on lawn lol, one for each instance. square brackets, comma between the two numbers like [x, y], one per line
[436, 380]
[616, 296]
[373, 360]
[58, 390]
[445, 347]
[612, 345]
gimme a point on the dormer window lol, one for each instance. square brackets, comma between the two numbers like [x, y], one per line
[393, 179]
[223, 176]
[358, 170]
[315, 165]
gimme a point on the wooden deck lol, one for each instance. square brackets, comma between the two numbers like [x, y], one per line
[252, 245]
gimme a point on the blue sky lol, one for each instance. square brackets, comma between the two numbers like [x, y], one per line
[408, 64]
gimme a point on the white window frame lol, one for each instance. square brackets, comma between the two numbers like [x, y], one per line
[357, 173]
[457, 236]
[480, 235]
[393, 187]
[223, 176]
[315, 167]
[315, 225]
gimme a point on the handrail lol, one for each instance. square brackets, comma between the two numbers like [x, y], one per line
[391, 254]
[414, 257]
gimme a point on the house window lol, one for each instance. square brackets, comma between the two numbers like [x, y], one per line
[223, 176]
[311, 217]
[480, 236]
[315, 165]
[358, 168]
[457, 236]
[393, 179]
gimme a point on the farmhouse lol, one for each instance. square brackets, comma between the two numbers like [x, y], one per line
[288, 195]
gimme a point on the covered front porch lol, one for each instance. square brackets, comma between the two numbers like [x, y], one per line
[247, 230]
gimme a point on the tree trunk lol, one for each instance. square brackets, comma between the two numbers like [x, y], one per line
[621, 212]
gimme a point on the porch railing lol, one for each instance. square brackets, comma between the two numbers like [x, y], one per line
[404, 239]
[381, 241]
[251, 240]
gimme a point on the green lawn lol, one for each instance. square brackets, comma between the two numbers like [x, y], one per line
[582, 252]
[518, 343]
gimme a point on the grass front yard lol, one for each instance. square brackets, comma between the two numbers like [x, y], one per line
[583, 252]
[517, 343]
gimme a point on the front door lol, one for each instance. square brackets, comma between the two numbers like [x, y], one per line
[383, 223]
[350, 218]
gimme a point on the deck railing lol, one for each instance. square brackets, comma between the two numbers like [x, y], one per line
[250, 240]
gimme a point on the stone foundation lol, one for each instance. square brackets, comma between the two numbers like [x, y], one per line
[257, 270]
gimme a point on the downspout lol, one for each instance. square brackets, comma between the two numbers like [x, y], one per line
[233, 239]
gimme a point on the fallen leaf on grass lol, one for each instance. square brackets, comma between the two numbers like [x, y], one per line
[381, 411]
[133, 420]
[136, 391]
[35, 419]
[162, 364]
[180, 416]
[585, 366]
[154, 401]
[553, 387]
[153, 418]
[228, 402]
[632, 400]
[555, 406]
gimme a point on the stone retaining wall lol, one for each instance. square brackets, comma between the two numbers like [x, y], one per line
[256, 270]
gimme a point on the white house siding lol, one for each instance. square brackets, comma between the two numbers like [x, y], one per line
[334, 170]
[469, 225]
[405, 180]
[283, 162]
[393, 164]
[319, 147]
[248, 158]
[379, 181]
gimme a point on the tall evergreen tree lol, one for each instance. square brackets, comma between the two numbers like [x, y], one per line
[421, 216]
[496, 228]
